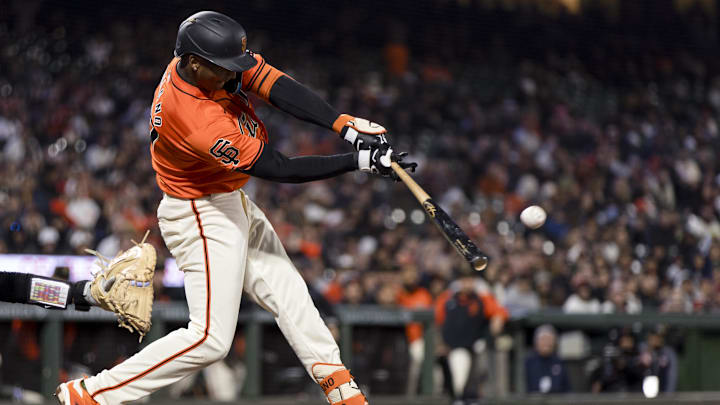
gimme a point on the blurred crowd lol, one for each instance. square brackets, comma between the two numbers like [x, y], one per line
[608, 120]
[616, 142]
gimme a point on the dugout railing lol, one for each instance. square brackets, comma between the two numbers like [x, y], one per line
[51, 334]
[699, 363]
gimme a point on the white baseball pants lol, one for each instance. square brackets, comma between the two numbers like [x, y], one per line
[225, 245]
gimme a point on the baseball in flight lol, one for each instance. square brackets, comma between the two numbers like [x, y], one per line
[533, 216]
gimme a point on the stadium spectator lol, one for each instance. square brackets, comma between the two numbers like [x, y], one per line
[620, 300]
[412, 296]
[677, 302]
[521, 297]
[648, 293]
[544, 371]
[582, 302]
[353, 293]
[621, 369]
[469, 316]
[660, 359]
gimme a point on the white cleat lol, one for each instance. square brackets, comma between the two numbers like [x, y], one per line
[73, 393]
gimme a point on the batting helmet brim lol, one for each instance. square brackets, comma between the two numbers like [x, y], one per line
[236, 64]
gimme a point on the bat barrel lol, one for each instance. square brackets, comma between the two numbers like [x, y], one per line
[479, 263]
[452, 232]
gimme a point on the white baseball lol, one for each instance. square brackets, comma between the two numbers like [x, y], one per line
[533, 216]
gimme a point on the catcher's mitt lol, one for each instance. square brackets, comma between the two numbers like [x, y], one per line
[125, 285]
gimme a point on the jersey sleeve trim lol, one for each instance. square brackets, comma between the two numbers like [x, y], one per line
[262, 78]
[257, 73]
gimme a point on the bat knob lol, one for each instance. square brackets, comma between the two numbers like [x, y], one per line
[479, 263]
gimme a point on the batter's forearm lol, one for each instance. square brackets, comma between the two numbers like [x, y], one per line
[274, 166]
[299, 101]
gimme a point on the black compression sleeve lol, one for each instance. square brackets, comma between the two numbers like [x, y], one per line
[14, 287]
[273, 165]
[302, 103]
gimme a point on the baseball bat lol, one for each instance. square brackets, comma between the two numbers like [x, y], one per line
[452, 232]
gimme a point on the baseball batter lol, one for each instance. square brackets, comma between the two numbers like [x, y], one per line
[206, 143]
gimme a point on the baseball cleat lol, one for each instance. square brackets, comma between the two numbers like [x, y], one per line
[74, 393]
[338, 384]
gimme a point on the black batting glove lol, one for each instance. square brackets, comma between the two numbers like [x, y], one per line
[398, 158]
[378, 158]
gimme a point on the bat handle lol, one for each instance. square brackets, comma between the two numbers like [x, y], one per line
[415, 188]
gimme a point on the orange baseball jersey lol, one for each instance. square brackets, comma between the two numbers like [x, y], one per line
[491, 306]
[202, 140]
[418, 299]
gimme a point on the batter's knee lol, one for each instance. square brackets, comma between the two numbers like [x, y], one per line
[215, 349]
[212, 348]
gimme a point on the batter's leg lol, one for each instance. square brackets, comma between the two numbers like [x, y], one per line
[274, 283]
[208, 237]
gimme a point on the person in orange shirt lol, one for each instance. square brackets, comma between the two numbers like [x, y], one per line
[467, 314]
[206, 142]
[412, 296]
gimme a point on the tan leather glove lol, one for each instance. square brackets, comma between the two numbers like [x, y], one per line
[125, 286]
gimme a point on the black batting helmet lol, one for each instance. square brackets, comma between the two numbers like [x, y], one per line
[217, 38]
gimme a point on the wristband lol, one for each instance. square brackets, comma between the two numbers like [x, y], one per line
[48, 292]
[363, 159]
[80, 291]
[349, 134]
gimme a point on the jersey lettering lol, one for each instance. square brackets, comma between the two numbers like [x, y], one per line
[249, 124]
[156, 120]
[225, 152]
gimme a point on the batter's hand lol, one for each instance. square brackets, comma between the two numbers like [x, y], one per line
[377, 160]
[363, 134]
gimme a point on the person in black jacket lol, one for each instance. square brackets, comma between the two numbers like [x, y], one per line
[544, 371]
[621, 369]
[468, 316]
